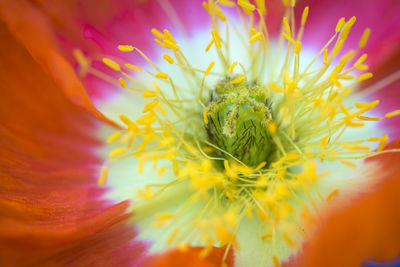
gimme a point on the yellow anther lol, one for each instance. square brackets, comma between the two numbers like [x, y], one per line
[266, 236]
[125, 48]
[292, 3]
[209, 68]
[288, 240]
[383, 140]
[332, 194]
[348, 163]
[171, 45]
[122, 82]
[162, 75]
[275, 87]
[125, 120]
[206, 7]
[364, 38]
[168, 58]
[215, 36]
[160, 43]
[261, 6]
[368, 118]
[150, 106]
[168, 36]
[246, 6]
[347, 28]
[340, 24]
[367, 106]
[232, 67]
[118, 151]
[205, 118]
[149, 94]
[226, 3]
[304, 16]
[364, 77]
[272, 127]
[113, 137]
[134, 67]
[287, 26]
[220, 14]
[103, 176]
[285, 2]
[164, 216]
[157, 34]
[360, 60]
[253, 31]
[111, 64]
[238, 80]
[255, 37]
[275, 260]
[392, 114]
[355, 147]
[209, 45]
[156, 88]
[362, 67]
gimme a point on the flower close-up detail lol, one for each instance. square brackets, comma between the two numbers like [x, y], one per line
[200, 133]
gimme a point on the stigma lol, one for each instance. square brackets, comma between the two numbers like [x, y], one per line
[243, 137]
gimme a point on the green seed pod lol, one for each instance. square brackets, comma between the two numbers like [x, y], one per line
[238, 116]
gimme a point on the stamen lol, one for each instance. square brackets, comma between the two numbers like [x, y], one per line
[125, 48]
[168, 59]
[250, 144]
[392, 114]
[364, 77]
[103, 176]
[364, 38]
[304, 16]
[232, 67]
[122, 82]
[162, 75]
[134, 67]
[238, 80]
[111, 64]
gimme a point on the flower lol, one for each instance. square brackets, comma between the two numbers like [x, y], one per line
[213, 181]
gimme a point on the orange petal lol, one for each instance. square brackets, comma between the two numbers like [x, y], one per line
[367, 228]
[49, 200]
[32, 29]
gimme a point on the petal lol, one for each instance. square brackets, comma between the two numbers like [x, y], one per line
[365, 228]
[26, 29]
[50, 202]
[98, 27]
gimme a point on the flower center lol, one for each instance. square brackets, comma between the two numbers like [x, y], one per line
[245, 143]
[237, 119]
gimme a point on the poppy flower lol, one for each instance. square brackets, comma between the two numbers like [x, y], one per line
[190, 133]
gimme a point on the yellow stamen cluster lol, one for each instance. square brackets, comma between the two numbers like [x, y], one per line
[309, 115]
